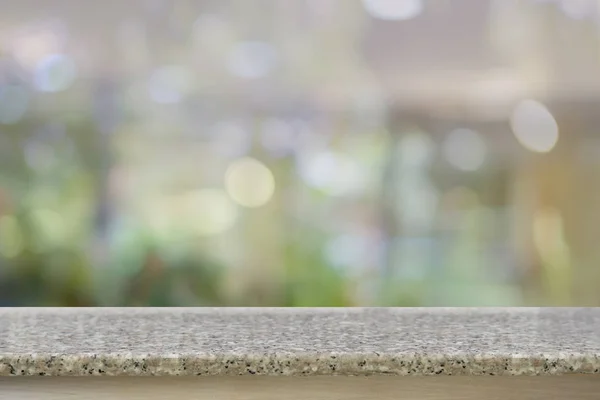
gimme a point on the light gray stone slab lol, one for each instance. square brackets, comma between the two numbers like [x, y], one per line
[299, 341]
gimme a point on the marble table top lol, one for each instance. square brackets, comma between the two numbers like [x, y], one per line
[299, 341]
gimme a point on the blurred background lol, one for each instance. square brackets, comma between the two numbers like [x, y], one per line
[299, 153]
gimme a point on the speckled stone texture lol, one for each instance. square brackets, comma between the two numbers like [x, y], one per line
[299, 341]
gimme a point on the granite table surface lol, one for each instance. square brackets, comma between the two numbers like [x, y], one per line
[299, 341]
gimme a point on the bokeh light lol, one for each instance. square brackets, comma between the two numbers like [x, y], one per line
[349, 252]
[55, 73]
[210, 211]
[168, 84]
[252, 60]
[534, 126]
[249, 182]
[33, 42]
[398, 10]
[465, 149]
[334, 173]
